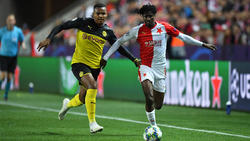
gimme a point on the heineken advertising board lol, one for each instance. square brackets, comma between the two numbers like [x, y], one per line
[197, 83]
[69, 84]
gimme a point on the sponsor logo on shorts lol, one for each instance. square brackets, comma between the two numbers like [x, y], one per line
[81, 74]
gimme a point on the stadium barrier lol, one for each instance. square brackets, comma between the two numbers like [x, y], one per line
[42, 72]
[204, 84]
[197, 83]
[240, 86]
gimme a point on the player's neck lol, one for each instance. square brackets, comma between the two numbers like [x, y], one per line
[10, 27]
[99, 25]
[151, 25]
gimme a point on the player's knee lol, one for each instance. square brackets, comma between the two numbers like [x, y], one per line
[92, 85]
[158, 106]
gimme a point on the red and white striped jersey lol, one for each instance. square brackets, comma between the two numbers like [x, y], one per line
[153, 43]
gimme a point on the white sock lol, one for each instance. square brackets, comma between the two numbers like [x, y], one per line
[151, 117]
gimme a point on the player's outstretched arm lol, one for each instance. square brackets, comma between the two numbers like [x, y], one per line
[75, 23]
[123, 51]
[116, 44]
[43, 44]
[112, 49]
[209, 46]
[136, 61]
[188, 39]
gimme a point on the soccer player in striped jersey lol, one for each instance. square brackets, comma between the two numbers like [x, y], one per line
[92, 35]
[152, 37]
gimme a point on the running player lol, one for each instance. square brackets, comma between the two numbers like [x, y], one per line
[152, 37]
[10, 37]
[92, 35]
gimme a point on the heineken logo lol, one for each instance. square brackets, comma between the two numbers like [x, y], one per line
[189, 87]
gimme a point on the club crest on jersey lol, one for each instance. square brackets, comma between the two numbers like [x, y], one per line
[153, 43]
[104, 33]
[159, 30]
[89, 27]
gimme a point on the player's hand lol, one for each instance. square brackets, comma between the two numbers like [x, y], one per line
[103, 63]
[137, 62]
[24, 46]
[44, 44]
[209, 46]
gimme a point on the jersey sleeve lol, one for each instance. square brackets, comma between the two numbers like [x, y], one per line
[126, 37]
[20, 36]
[122, 50]
[188, 39]
[1, 32]
[172, 31]
[112, 38]
[75, 23]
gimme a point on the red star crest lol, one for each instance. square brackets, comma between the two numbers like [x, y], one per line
[159, 30]
[216, 83]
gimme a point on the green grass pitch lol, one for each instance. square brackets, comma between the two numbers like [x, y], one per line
[33, 117]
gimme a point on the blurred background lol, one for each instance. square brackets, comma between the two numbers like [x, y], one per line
[225, 23]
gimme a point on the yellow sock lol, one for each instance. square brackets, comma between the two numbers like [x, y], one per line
[74, 102]
[90, 103]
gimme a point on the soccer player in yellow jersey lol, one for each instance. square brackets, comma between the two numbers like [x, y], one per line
[92, 34]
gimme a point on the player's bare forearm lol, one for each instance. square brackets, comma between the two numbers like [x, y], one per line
[209, 46]
[23, 45]
[43, 44]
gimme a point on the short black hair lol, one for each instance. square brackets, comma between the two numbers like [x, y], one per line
[146, 8]
[99, 5]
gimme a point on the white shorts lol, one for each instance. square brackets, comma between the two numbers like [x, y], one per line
[157, 79]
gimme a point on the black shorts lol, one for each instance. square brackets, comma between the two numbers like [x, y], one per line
[8, 64]
[80, 69]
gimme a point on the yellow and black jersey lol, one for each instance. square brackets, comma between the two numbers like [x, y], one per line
[90, 41]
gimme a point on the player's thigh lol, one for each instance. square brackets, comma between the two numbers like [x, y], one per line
[147, 86]
[147, 80]
[3, 63]
[95, 73]
[145, 73]
[11, 63]
[159, 90]
[83, 74]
